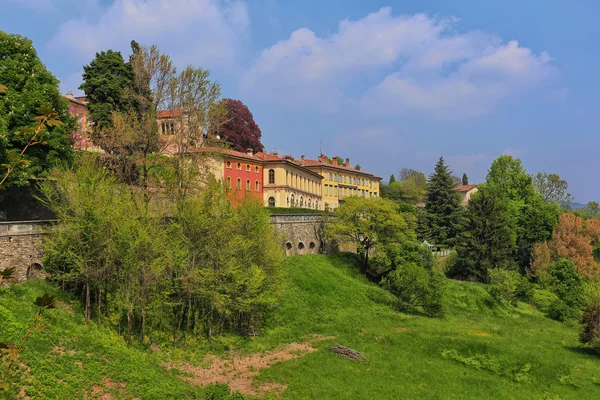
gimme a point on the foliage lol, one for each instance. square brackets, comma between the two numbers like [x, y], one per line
[568, 286]
[552, 188]
[465, 179]
[392, 179]
[239, 127]
[484, 242]
[357, 166]
[367, 224]
[416, 286]
[507, 179]
[106, 81]
[34, 119]
[543, 299]
[573, 239]
[197, 267]
[7, 275]
[590, 325]
[442, 222]
[509, 286]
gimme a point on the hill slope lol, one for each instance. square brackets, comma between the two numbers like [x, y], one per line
[480, 350]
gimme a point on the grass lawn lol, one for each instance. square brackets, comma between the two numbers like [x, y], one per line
[480, 350]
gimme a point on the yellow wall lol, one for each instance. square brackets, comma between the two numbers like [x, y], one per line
[291, 182]
[339, 184]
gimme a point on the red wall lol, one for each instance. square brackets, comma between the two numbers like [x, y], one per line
[233, 173]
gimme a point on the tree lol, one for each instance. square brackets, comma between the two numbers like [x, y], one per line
[392, 179]
[239, 127]
[552, 189]
[465, 179]
[106, 81]
[507, 179]
[409, 174]
[368, 223]
[593, 207]
[34, 119]
[484, 242]
[357, 166]
[442, 206]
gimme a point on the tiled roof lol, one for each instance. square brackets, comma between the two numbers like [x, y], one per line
[275, 158]
[76, 100]
[232, 153]
[464, 188]
[168, 113]
[317, 163]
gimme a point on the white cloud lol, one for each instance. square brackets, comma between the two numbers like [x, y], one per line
[431, 69]
[204, 32]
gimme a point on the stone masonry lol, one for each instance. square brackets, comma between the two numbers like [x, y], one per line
[20, 247]
[302, 234]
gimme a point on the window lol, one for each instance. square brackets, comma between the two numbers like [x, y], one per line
[309, 203]
[228, 164]
[301, 201]
[238, 185]
[229, 182]
[271, 176]
[330, 177]
[239, 166]
[248, 185]
[247, 167]
[256, 169]
[370, 185]
[271, 201]
[292, 201]
[256, 186]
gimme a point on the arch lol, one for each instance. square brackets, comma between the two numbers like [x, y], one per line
[309, 203]
[288, 249]
[239, 166]
[228, 164]
[271, 201]
[248, 188]
[228, 184]
[248, 167]
[238, 184]
[257, 186]
[300, 248]
[34, 271]
[313, 247]
[271, 176]
[292, 200]
[301, 201]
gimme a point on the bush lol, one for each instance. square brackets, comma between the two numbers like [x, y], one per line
[415, 286]
[590, 326]
[543, 299]
[509, 286]
[565, 282]
[561, 311]
[220, 391]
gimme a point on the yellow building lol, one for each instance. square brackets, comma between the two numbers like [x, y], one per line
[466, 191]
[288, 184]
[341, 181]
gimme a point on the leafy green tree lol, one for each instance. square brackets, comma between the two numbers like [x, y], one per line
[465, 179]
[484, 242]
[357, 166]
[409, 174]
[30, 147]
[507, 179]
[553, 189]
[442, 206]
[392, 179]
[106, 81]
[593, 207]
[367, 224]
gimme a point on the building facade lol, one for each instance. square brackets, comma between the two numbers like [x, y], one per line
[81, 138]
[341, 181]
[288, 184]
[466, 191]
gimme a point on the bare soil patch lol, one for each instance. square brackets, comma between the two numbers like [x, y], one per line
[239, 371]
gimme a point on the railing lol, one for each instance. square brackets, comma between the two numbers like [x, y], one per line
[283, 218]
[17, 228]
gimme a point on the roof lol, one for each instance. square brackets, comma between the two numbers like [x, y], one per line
[464, 188]
[317, 163]
[231, 153]
[168, 113]
[77, 100]
[276, 159]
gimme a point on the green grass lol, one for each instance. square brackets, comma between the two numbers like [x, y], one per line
[480, 350]
[71, 360]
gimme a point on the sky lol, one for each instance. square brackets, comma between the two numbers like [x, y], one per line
[388, 84]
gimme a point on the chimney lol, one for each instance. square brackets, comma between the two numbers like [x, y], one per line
[347, 162]
[276, 154]
[322, 158]
[302, 158]
[249, 151]
[69, 95]
[335, 160]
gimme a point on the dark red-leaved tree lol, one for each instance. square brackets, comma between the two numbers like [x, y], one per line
[240, 129]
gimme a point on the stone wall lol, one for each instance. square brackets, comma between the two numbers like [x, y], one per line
[20, 247]
[302, 234]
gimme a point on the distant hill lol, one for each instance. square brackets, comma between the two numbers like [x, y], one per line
[577, 206]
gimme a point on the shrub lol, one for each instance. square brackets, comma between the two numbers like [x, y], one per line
[415, 286]
[590, 326]
[543, 299]
[561, 311]
[509, 286]
[566, 283]
[220, 391]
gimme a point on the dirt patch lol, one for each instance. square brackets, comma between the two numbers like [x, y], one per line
[239, 371]
[109, 390]
[400, 329]
[23, 394]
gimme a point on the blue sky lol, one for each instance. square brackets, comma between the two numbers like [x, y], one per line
[389, 84]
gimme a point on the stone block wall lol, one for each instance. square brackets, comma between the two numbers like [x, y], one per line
[20, 247]
[302, 234]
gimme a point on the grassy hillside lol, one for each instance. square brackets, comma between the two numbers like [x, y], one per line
[480, 350]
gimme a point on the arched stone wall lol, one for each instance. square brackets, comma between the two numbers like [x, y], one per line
[20, 247]
[302, 234]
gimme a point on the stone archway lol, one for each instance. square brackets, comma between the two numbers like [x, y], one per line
[34, 271]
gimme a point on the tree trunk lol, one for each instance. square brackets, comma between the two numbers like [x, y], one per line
[87, 300]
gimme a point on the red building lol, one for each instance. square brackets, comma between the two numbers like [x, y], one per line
[81, 137]
[242, 174]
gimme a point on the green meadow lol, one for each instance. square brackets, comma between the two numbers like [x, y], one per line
[480, 349]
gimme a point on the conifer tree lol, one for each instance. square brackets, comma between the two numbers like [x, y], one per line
[484, 241]
[465, 179]
[392, 179]
[442, 206]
